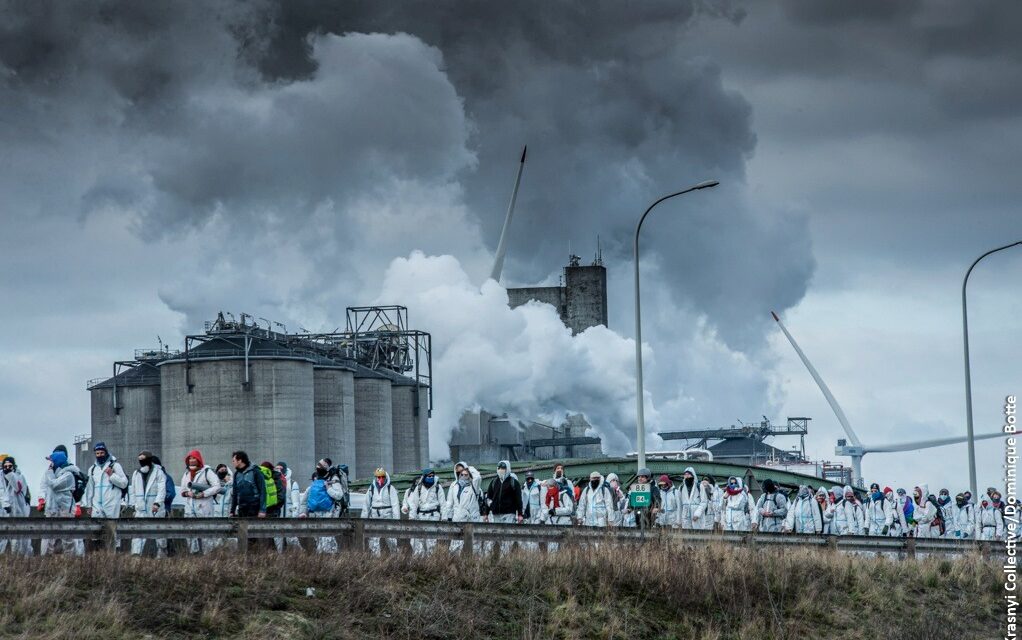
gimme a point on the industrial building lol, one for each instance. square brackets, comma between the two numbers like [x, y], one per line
[362, 397]
[482, 436]
[745, 444]
[581, 301]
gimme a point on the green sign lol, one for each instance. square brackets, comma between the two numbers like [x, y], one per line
[639, 496]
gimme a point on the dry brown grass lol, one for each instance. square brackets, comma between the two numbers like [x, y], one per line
[715, 593]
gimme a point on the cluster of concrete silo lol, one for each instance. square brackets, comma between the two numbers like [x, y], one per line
[276, 398]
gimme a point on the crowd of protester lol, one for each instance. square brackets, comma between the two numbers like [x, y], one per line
[244, 489]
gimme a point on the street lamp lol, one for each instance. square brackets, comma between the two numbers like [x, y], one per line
[640, 424]
[968, 376]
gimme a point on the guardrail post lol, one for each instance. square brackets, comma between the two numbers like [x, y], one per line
[358, 535]
[910, 547]
[108, 537]
[243, 536]
[831, 543]
[985, 549]
[468, 538]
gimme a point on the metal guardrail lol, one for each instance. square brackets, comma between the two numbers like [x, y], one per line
[353, 533]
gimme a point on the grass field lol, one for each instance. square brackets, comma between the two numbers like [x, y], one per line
[714, 593]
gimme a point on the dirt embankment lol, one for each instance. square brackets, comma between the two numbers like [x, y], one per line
[629, 593]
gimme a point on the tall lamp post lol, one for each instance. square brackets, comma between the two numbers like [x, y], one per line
[968, 376]
[640, 425]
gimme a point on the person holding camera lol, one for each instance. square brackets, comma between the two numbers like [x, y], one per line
[200, 487]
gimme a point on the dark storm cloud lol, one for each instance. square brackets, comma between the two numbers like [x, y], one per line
[614, 115]
[245, 112]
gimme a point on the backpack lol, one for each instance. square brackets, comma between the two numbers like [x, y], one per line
[80, 482]
[168, 502]
[938, 520]
[318, 500]
[271, 487]
[282, 492]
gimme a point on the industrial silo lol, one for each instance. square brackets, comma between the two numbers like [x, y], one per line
[126, 413]
[374, 446]
[334, 397]
[405, 425]
[237, 393]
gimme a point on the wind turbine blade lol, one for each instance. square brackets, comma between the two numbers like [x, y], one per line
[838, 411]
[498, 259]
[927, 444]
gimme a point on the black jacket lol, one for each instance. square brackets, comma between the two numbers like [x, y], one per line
[504, 497]
[249, 490]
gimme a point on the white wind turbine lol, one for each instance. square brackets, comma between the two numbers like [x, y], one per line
[857, 449]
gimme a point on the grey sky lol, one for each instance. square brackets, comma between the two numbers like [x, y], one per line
[165, 162]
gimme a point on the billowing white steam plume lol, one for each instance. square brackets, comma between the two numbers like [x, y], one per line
[523, 361]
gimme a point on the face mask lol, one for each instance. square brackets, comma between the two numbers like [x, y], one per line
[529, 482]
[463, 482]
[558, 473]
[222, 474]
[144, 468]
[663, 487]
[877, 496]
[101, 459]
[380, 481]
[501, 474]
[8, 469]
[689, 481]
[429, 480]
[960, 502]
[803, 492]
[733, 485]
[594, 483]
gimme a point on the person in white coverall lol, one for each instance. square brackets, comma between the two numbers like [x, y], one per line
[462, 503]
[323, 499]
[199, 488]
[771, 508]
[425, 502]
[147, 494]
[58, 494]
[711, 515]
[879, 512]
[474, 475]
[947, 512]
[736, 507]
[805, 515]
[669, 503]
[825, 499]
[532, 499]
[596, 503]
[17, 494]
[620, 499]
[989, 521]
[222, 502]
[691, 500]
[965, 518]
[846, 515]
[923, 512]
[560, 504]
[292, 501]
[381, 503]
[106, 488]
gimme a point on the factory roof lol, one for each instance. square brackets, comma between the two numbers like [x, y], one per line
[142, 375]
[747, 448]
